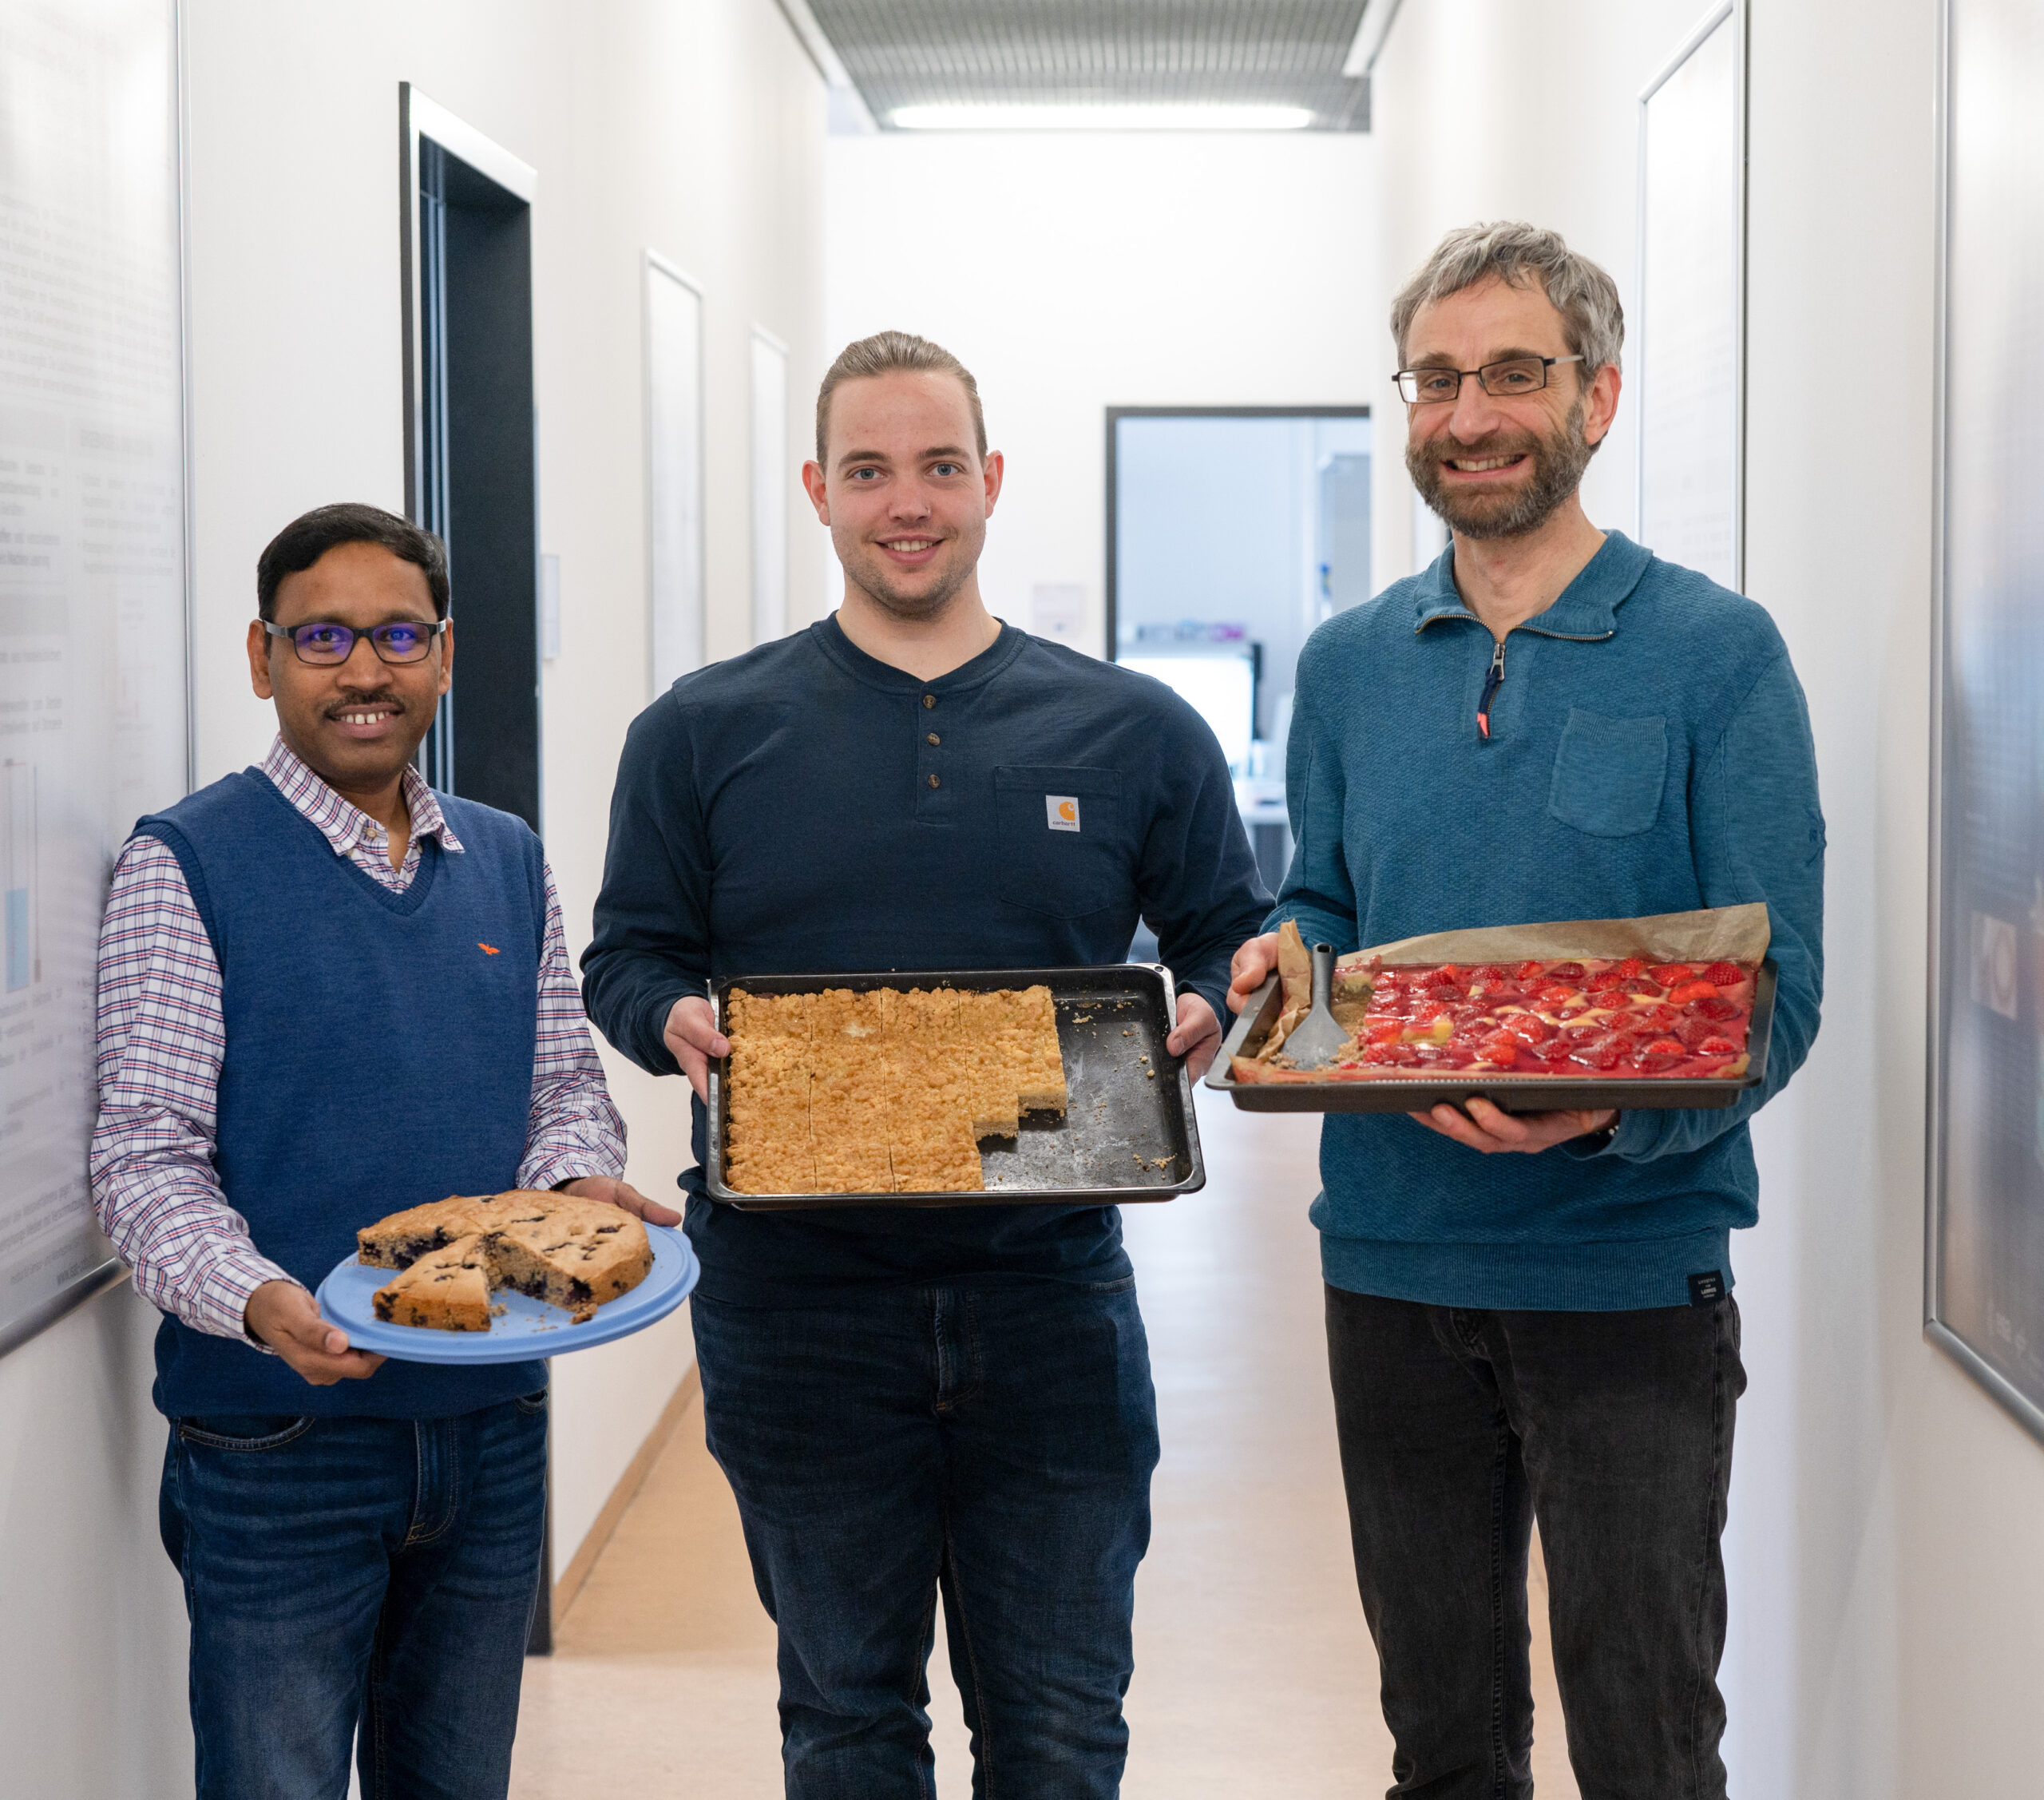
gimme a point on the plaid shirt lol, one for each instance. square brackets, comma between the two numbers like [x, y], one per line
[162, 1031]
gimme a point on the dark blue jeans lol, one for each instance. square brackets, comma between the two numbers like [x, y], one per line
[1457, 1428]
[347, 1570]
[991, 1443]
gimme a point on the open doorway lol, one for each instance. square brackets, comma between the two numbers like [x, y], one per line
[471, 473]
[1232, 532]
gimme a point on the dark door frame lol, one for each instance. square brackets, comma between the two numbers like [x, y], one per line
[419, 118]
[483, 499]
[1116, 414]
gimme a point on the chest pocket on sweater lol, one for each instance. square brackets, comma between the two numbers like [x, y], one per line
[1609, 774]
[1059, 832]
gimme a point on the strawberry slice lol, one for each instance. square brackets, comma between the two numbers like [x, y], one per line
[1389, 1032]
[1666, 1047]
[1630, 968]
[1499, 1048]
[1668, 973]
[1527, 1028]
[1712, 1006]
[1608, 981]
[1725, 974]
[1602, 1052]
[1658, 1062]
[1684, 992]
[1557, 995]
[1661, 1019]
[1718, 1047]
[1638, 984]
[1531, 969]
[1564, 971]
[1491, 972]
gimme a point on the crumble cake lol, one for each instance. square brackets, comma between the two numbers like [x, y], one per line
[884, 1092]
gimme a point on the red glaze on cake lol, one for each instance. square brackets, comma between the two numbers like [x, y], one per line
[1581, 1020]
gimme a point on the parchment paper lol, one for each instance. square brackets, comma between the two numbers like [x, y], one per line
[1730, 934]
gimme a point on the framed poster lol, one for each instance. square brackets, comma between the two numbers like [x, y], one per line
[1690, 323]
[674, 471]
[1984, 1265]
[94, 673]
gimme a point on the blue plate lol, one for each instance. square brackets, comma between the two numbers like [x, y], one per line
[527, 1328]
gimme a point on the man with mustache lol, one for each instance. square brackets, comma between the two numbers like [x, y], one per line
[916, 1404]
[328, 994]
[1550, 723]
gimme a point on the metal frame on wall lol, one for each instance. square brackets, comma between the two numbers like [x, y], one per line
[109, 1271]
[2026, 1406]
[1116, 414]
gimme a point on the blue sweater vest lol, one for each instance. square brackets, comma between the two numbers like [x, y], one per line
[378, 1055]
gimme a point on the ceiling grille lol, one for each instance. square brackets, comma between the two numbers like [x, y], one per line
[1080, 52]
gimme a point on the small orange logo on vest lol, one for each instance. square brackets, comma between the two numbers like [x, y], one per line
[488, 949]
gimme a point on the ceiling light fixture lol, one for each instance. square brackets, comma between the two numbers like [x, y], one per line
[968, 117]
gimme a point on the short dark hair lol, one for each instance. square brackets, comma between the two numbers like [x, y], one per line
[311, 535]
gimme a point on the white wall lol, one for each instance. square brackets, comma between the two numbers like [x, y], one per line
[1074, 271]
[1888, 1574]
[695, 129]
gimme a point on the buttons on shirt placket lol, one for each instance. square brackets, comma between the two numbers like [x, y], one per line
[932, 789]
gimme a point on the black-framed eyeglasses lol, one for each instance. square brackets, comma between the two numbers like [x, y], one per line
[322, 642]
[1514, 376]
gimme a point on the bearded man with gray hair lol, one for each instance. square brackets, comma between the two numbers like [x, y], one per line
[1530, 1315]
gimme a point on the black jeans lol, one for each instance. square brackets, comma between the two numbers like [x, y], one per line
[1457, 1429]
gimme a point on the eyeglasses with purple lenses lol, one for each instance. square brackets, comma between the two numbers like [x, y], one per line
[323, 643]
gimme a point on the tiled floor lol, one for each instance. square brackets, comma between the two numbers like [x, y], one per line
[1254, 1674]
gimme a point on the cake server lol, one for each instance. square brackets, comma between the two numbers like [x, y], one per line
[1318, 1039]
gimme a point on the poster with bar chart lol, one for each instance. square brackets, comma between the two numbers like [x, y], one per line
[92, 659]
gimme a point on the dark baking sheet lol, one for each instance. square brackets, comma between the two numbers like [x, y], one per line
[1124, 1135]
[1509, 1093]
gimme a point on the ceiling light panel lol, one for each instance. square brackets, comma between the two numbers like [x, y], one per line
[1280, 57]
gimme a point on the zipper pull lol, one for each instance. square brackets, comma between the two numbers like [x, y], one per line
[1490, 689]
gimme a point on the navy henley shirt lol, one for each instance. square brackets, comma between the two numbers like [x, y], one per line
[804, 809]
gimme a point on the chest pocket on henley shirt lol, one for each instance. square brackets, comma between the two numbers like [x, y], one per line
[1609, 774]
[1051, 867]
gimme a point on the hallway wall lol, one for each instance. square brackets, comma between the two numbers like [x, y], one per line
[1077, 270]
[1887, 1577]
[695, 129]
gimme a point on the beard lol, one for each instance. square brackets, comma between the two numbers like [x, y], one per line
[870, 573]
[1555, 466]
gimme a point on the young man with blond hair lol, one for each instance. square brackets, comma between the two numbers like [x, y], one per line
[909, 1402]
[1530, 1315]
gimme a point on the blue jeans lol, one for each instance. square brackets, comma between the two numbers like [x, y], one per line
[990, 1443]
[1458, 1426]
[347, 1570]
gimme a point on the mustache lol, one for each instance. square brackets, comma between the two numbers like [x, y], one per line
[353, 701]
[1448, 448]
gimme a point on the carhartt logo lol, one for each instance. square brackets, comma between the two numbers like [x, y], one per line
[489, 949]
[1061, 810]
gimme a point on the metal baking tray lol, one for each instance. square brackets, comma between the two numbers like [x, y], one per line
[1509, 1093]
[1124, 1135]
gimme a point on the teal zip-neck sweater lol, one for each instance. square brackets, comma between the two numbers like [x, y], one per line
[1648, 751]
